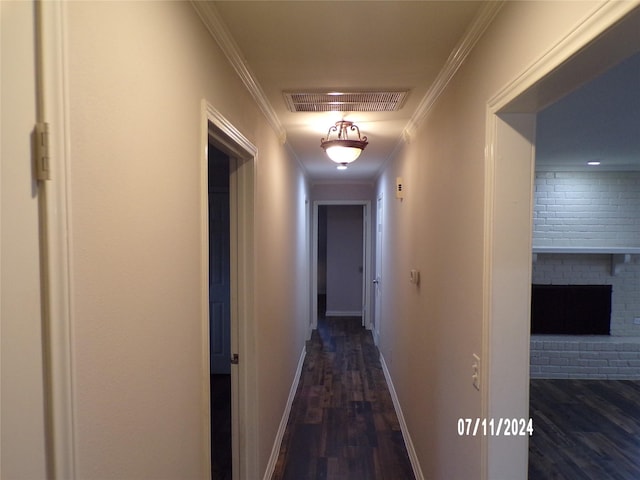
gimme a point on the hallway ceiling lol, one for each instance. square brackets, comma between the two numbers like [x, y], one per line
[308, 46]
[347, 45]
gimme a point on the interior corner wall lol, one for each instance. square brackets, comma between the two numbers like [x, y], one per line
[429, 333]
[137, 74]
[22, 422]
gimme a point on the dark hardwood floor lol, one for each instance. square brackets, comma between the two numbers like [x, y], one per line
[585, 429]
[342, 424]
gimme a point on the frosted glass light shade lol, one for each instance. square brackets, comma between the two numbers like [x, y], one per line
[342, 149]
[340, 154]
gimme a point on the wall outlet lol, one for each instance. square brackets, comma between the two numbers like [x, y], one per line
[475, 375]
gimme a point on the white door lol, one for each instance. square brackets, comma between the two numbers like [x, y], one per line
[378, 271]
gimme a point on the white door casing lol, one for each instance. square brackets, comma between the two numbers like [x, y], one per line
[377, 274]
[366, 281]
[221, 133]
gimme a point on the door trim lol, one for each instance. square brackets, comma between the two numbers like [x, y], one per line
[56, 241]
[377, 268]
[243, 156]
[509, 147]
[366, 239]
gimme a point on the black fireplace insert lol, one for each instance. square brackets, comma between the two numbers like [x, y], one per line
[571, 309]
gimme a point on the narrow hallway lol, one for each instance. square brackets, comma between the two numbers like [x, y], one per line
[342, 424]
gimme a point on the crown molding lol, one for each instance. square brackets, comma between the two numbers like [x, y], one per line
[220, 33]
[454, 62]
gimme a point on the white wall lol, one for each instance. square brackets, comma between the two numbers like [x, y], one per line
[22, 444]
[342, 191]
[428, 334]
[137, 74]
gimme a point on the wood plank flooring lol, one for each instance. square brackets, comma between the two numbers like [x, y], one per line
[342, 424]
[585, 429]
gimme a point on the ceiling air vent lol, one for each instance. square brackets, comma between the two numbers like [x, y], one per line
[388, 101]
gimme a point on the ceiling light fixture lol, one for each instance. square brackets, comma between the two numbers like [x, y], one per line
[594, 163]
[342, 149]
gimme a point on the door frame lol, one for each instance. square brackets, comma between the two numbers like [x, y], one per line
[377, 268]
[366, 240]
[509, 167]
[55, 242]
[243, 155]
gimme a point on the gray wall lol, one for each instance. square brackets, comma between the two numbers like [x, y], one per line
[344, 260]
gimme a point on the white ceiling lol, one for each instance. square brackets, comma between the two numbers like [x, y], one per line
[600, 121]
[279, 46]
[352, 45]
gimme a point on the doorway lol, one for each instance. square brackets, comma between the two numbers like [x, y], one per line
[377, 274]
[341, 260]
[232, 185]
[220, 313]
[510, 135]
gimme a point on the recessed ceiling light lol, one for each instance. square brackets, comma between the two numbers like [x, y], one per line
[593, 164]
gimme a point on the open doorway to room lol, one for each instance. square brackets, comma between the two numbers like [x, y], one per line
[227, 217]
[511, 135]
[341, 261]
[220, 313]
[586, 274]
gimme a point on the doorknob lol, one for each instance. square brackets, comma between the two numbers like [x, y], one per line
[376, 281]
[234, 359]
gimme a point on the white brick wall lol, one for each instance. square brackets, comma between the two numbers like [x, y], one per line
[587, 209]
[590, 209]
[584, 357]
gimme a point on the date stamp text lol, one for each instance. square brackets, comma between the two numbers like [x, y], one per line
[494, 427]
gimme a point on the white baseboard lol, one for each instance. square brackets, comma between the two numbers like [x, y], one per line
[275, 451]
[413, 457]
[343, 313]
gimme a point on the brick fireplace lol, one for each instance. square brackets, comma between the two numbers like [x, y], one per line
[587, 233]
